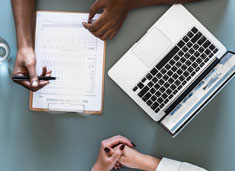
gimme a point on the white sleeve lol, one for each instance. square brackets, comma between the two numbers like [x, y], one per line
[173, 165]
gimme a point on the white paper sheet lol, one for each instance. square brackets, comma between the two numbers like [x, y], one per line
[75, 57]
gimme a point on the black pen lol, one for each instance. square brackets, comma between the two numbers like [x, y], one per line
[23, 78]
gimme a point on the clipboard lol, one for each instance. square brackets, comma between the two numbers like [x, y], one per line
[70, 107]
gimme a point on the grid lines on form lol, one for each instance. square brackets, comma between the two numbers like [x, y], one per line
[70, 43]
[75, 73]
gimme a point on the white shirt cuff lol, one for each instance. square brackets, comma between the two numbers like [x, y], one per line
[173, 165]
[168, 165]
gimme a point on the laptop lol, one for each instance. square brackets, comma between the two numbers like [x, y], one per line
[167, 63]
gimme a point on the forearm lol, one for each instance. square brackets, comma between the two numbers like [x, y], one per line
[23, 11]
[146, 162]
[142, 3]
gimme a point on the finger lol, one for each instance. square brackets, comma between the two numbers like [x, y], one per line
[117, 140]
[112, 35]
[44, 71]
[95, 25]
[43, 84]
[94, 9]
[101, 31]
[106, 35]
[25, 84]
[118, 153]
[33, 76]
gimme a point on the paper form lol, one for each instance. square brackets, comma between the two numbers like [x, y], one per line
[75, 57]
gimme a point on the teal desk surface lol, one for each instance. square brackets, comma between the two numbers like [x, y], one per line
[39, 141]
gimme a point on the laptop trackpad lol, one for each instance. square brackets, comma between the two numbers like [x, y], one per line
[152, 46]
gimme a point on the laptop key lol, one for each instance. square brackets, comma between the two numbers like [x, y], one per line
[157, 110]
[135, 88]
[157, 86]
[155, 105]
[194, 30]
[169, 56]
[212, 47]
[165, 77]
[170, 80]
[150, 84]
[158, 93]
[143, 80]
[196, 46]
[181, 78]
[153, 71]
[143, 91]
[146, 97]
[149, 102]
[186, 39]
[159, 75]
[196, 37]
[176, 57]
[154, 79]
[188, 78]
[162, 89]
[207, 51]
[206, 44]
[180, 53]
[190, 34]
[163, 71]
[179, 71]
[189, 44]
[140, 85]
[153, 98]
[181, 44]
[164, 95]
[174, 68]
[161, 106]
[166, 101]
[160, 100]
[185, 49]
[152, 90]
[175, 76]
[201, 40]
[161, 81]
[149, 76]
[215, 51]
[168, 91]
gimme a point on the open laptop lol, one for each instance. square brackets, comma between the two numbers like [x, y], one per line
[168, 62]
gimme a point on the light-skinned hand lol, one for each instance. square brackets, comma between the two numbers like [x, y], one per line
[108, 157]
[134, 159]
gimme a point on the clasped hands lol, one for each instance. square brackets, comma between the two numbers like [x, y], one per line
[119, 151]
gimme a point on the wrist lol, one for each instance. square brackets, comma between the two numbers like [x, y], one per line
[148, 163]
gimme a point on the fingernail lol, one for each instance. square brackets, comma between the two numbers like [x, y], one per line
[133, 144]
[122, 147]
[107, 150]
[35, 83]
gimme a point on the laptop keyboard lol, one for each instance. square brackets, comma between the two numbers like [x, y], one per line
[175, 69]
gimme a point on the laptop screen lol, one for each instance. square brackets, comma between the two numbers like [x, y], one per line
[200, 95]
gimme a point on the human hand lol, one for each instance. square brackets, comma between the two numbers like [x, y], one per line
[134, 159]
[25, 65]
[108, 157]
[111, 20]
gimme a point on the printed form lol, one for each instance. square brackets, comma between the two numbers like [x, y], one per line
[76, 59]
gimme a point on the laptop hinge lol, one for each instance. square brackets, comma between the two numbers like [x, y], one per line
[192, 86]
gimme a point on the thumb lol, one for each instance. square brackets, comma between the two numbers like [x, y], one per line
[94, 9]
[33, 76]
[118, 153]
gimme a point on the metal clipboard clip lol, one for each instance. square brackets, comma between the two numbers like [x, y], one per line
[65, 108]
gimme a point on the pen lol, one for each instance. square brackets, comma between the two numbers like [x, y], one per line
[27, 78]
